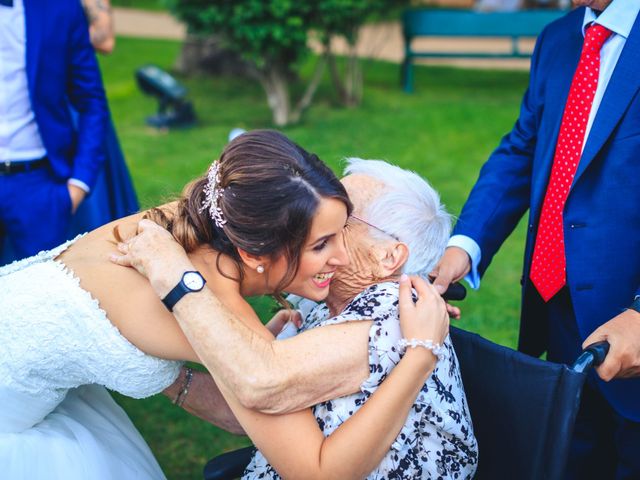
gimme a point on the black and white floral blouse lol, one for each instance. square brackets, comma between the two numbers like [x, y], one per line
[436, 441]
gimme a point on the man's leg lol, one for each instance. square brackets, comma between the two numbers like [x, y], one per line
[592, 453]
[36, 211]
[627, 442]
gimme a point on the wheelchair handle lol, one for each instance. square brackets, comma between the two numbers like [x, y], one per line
[456, 291]
[592, 356]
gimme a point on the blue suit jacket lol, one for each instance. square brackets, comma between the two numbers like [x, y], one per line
[62, 70]
[602, 213]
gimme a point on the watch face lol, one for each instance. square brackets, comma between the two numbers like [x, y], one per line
[193, 281]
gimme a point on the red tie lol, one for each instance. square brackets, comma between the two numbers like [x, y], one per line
[549, 264]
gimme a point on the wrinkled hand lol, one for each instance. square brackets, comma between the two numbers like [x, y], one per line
[426, 319]
[453, 266]
[623, 334]
[281, 318]
[77, 196]
[155, 254]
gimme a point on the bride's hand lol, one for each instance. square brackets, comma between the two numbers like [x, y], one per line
[425, 319]
[155, 254]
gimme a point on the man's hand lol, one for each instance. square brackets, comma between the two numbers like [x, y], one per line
[623, 334]
[453, 266]
[155, 254]
[77, 196]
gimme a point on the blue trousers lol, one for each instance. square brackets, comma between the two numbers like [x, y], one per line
[35, 210]
[605, 445]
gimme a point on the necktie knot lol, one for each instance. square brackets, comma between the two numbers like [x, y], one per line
[595, 36]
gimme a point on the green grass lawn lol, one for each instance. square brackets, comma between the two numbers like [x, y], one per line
[444, 131]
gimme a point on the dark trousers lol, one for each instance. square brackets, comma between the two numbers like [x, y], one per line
[605, 445]
[35, 210]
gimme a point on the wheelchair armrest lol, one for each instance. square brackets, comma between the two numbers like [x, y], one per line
[592, 356]
[228, 465]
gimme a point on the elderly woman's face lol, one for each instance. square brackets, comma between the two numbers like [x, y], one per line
[363, 267]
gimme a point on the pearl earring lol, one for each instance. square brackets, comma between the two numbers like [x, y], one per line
[260, 269]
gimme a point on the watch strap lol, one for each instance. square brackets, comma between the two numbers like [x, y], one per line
[180, 290]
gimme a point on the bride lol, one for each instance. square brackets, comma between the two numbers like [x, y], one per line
[267, 218]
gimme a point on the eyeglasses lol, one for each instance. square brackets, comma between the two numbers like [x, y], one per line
[395, 237]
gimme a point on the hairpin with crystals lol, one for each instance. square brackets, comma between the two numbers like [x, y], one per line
[213, 192]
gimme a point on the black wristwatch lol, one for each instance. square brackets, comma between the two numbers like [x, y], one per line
[636, 304]
[191, 281]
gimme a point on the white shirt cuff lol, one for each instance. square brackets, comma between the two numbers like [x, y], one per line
[470, 246]
[79, 184]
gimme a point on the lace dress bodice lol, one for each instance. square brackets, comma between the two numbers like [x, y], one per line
[54, 336]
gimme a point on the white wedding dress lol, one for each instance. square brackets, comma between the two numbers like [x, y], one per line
[58, 352]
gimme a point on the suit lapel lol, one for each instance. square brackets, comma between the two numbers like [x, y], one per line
[622, 86]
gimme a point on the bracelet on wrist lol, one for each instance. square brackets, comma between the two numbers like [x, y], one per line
[437, 349]
[184, 391]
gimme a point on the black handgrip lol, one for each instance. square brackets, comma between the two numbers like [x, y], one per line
[456, 291]
[599, 351]
[592, 356]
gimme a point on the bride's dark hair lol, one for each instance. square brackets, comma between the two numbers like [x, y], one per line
[272, 188]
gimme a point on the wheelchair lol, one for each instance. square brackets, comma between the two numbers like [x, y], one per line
[523, 410]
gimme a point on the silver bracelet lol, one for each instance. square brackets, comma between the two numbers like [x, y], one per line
[182, 395]
[438, 350]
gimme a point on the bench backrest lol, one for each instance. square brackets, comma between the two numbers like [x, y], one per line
[523, 23]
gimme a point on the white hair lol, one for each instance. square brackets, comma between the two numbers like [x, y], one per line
[408, 208]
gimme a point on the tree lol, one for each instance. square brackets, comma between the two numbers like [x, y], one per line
[270, 34]
[345, 18]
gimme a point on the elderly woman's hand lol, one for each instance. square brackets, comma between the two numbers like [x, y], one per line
[281, 319]
[155, 254]
[425, 319]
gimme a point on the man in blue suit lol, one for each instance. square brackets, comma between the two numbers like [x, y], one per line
[572, 159]
[47, 163]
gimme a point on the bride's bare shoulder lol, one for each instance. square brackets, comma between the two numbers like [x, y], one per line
[125, 295]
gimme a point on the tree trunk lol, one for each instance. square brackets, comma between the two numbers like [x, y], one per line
[353, 79]
[348, 85]
[336, 79]
[307, 98]
[275, 81]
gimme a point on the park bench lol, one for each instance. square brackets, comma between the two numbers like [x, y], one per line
[468, 23]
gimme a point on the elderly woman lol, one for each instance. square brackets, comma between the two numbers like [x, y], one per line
[398, 225]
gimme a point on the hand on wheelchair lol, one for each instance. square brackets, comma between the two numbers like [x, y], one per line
[623, 334]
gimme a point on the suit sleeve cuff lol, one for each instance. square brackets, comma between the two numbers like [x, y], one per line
[470, 246]
[79, 184]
